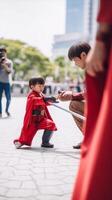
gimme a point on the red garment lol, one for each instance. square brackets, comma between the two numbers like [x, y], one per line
[105, 11]
[94, 180]
[32, 123]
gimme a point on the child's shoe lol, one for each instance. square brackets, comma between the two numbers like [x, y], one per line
[78, 146]
[17, 144]
[47, 145]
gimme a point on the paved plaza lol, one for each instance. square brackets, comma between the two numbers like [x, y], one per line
[35, 173]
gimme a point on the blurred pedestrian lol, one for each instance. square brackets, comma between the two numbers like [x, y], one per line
[6, 68]
[94, 181]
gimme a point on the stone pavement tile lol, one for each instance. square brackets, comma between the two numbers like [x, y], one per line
[50, 190]
[22, 193]
[52, 176]
[62, 176]
[19, 198]
[68, 179]
[10, 184]
[67, 172]
[13, 161]
[22, 167]
[66, 188]
[3, 191]
[24, 161]
[37, 170]
[39, 197]
[4, 156]
[28, 185]
[66, 197]
[21, 172]
[20, 178]
[4, 159]
[6, 172]
[62, 160]
[48, 182]
[38, 176]
[2, 181]
[54, 197]
[27, 198]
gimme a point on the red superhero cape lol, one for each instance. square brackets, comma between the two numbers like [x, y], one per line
[35, 101]
[33, 122]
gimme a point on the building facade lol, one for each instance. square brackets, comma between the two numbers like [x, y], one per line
[74, 16]
[80, 25]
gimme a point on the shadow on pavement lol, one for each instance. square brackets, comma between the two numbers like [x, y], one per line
[73, 154]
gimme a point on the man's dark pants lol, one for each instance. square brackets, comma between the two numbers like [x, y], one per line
[6, 88]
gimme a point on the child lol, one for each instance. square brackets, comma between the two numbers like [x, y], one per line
[36, 117]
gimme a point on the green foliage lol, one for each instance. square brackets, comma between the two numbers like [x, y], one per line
[27, 60]
[60, 61]
[66, 70]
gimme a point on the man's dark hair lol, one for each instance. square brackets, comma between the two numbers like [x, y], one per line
[76, 50]
[3, 49]
[38, 80]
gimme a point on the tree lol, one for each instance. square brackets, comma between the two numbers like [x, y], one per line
[66, 71]
[27, 60]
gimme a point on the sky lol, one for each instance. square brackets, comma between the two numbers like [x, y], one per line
[33, 21]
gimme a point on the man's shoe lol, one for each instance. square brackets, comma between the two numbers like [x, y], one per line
[8, 114]
[0, 115]
[47, 145]
[78, 146]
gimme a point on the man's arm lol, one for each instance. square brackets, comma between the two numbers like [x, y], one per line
[78, 96]
[8, 66]
[69, 95]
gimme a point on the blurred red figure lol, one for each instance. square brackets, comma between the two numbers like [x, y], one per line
[36, 117]
[94, 180]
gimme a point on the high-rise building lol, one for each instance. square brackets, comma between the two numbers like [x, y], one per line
[74, 16]
[90, 13]
[80, 25]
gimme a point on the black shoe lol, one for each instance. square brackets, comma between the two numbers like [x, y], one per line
[47, 145]
[8, 114]
[78, 146]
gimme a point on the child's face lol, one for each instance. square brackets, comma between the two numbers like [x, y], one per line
[38, 88]
[80, 61]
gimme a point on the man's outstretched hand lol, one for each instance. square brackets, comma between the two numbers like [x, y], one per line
[65, 95]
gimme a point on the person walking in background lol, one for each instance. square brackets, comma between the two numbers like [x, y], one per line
[77, 53]
[94, 181]
[6, 68]
[37, 116]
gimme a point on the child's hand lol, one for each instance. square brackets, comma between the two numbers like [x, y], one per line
[51, 99]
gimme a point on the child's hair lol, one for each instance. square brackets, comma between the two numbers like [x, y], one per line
[34, 81]
[76, 49]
